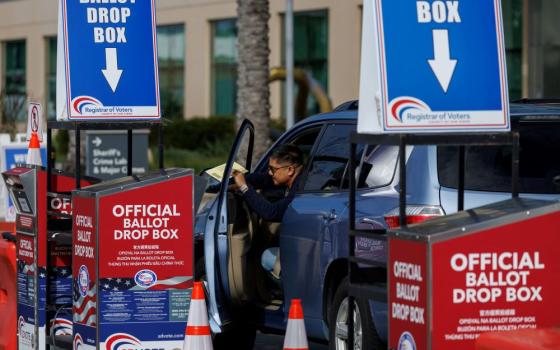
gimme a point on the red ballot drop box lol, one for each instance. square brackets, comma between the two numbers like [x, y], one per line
[488, 269]
[132, 261]
[43, 278]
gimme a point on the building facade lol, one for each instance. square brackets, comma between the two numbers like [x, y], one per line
[197, 51]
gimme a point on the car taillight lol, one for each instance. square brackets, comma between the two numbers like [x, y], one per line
[414, 214]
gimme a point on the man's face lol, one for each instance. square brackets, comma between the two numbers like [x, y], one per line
[280, 172]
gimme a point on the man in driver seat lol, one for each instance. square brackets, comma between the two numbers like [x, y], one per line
[284, 167]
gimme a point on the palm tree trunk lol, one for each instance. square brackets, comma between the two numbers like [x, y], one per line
[253, 92]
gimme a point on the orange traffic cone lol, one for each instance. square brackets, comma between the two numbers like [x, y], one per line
[296, 337]
[34, 150]
[197, 333]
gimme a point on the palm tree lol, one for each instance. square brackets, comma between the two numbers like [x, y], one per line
[253, 91]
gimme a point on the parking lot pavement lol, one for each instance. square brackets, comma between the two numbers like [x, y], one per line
[275, 342]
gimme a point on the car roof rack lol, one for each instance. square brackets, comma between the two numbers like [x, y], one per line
[347, 106]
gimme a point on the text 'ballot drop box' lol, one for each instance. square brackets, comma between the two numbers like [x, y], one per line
[133, 261]
[488, 269]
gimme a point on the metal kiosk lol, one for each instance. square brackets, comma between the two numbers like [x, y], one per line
[412, 315]
[133, 261]
[132, 256]
[60, 217]
[43, 237]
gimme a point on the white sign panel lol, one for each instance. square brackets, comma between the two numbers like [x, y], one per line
[433, 66]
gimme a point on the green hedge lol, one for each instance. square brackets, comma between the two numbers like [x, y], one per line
[197, 133]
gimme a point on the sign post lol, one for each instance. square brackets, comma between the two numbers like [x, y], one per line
[433, 66]
[110, 57]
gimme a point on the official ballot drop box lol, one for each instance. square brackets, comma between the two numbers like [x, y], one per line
[493, 268]
[44, 284]
[133, 261]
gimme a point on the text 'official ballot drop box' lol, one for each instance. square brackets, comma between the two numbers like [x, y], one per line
[133, 261]
[493, 268]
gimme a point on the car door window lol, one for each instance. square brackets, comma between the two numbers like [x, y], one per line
[305, 142]
[330, 160]
[304, 139]
[377, 167]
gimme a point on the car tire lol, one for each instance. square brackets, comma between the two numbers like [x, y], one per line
[365, 334]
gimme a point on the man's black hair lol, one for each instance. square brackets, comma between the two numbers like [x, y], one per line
[288, 154]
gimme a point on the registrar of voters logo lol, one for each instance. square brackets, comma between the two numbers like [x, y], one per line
[88, 105]
[408, 106]
[78, 342]
[406, 342]
[145, 278]
[83, 280]
[85, 104]
[123, 341]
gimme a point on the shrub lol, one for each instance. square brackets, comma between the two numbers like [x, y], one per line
[197, 133]
[213, 155]
[61, 141]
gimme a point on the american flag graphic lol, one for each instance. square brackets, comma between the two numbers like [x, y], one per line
[26, 268]
[60, 291]
[61, 326]
[84, 306]
[60, 272]
[120, 284]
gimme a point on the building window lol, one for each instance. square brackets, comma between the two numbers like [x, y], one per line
[543, 49]
[224, 67]
[513, 33]
[51, 78]
[14, 79]
[171, 60]
[311, 49]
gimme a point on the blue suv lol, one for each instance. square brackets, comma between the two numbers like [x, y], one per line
[313, 235]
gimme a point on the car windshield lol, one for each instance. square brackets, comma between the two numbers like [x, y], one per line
[489, 168]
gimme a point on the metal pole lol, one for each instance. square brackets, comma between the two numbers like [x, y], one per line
[78, 156]
[351, 244]
[461, 185]
[160, 146]
[50, 159]
[129, 153]
[402, 181]
[289, 43]
[515, 165]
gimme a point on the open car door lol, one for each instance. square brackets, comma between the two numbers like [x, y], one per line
[225, 244]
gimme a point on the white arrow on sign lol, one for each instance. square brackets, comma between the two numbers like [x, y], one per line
[97, 141]
[442, 65]
[112, 73]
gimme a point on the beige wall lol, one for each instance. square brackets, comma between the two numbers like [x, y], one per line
[35, 20]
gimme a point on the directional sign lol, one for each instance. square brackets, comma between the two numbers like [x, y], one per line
[110, 56]
[433, 66]
[106, 154]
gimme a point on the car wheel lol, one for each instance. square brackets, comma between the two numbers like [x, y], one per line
[365, 335]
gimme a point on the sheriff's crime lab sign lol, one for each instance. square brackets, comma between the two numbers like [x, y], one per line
[433, 66]
[110, 55]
